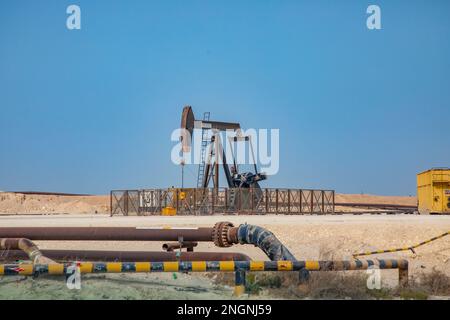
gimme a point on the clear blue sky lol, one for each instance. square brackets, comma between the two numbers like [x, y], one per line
[91, 110]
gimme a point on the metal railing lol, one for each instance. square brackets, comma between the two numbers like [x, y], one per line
[209, 201]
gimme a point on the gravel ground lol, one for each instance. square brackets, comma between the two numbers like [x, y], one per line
[160, 286]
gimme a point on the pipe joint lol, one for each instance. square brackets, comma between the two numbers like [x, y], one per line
[265, 240]
[223, 234]
[27, 246]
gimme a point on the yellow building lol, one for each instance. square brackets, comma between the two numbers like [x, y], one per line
[433, 191]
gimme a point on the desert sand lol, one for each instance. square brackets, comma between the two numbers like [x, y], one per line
[18, 203]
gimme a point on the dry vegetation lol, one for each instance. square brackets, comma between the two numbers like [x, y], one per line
[339, 285]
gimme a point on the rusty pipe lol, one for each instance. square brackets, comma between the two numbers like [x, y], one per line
[25, 246]
[108, 233]
[171, 246]
[223, 234]
[121, 256]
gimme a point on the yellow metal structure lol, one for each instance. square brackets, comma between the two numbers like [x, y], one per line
[168, 211]
[178, 200]
[433, 191]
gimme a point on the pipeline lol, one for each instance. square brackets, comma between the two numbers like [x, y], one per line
[108, 233]
[223, 234]
[411, 248]
[29, 249]
[206, 266]
[119, 256]
[265, 240]
[171, 246]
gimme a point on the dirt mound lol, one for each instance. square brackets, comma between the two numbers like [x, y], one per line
[18, 203]
[375, 199]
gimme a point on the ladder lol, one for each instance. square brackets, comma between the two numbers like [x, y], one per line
[232, 198]
[205, 140]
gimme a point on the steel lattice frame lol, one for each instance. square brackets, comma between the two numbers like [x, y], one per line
[208, 201]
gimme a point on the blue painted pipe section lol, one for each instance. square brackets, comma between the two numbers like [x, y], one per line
[239, 278]
[265, 240]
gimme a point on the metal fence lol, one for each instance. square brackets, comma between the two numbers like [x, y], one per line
[209, 201]
[125, 202]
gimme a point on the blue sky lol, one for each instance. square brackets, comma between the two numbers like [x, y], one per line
[91, 110]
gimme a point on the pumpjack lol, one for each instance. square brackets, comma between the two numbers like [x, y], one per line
[213, 156]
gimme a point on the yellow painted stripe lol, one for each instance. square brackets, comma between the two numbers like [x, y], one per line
[2, 269]
[27, 269]
[226, 265]
[312, 265]
[171, 266]
[284, 265]
[198, 266]
[114, 267]
[86, 267]
[256, 266]
[143, 266]
[55, 268]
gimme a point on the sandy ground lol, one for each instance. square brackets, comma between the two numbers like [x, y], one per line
[375, 199]
[370, 199]
[17, 203]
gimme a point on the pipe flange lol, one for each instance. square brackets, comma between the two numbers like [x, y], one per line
[220, 234]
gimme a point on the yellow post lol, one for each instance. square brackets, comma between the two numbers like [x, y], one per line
[239, 284]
